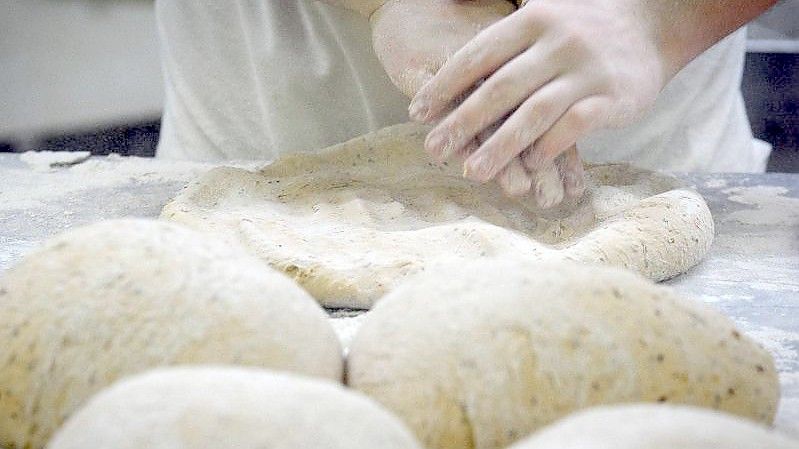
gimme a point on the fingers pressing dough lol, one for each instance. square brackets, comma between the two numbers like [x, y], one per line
[350, 222]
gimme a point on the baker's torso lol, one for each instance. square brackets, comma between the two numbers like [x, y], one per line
[252, 79]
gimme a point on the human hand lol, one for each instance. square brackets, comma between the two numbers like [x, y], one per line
[557, 69]
[411, 56]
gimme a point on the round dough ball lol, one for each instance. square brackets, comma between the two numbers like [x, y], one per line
[116, 298]
[479, 355]
[236, 408]
[651, 426]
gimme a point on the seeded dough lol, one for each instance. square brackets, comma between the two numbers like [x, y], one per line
[645, 426]
[350, 222]
[480, 354]
[119, 297]
[231, 408]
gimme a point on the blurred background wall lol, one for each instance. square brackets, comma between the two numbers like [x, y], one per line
[78, 69]
[84, 75]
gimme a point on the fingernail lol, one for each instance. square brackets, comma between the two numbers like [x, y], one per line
[477, 169]
[435, 142]
[418, 110]
[574, 184]
[518, 183]
[547, 193]
[450, 145]
[534, 159]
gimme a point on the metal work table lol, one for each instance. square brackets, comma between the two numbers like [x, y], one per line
[751, 273]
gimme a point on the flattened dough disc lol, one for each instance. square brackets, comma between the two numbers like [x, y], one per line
[351, 221]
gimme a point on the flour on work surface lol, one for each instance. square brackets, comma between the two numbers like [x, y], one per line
[783, 345]
[771, 206]
[31, 190]
[45, 160]
[34, 204]
[347, 326]
[716, 183]
[351, 221]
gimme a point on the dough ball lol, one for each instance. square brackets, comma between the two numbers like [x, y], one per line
[650, 426]
[351, 222]
[478, 355]
[236, 408]
[112, 299]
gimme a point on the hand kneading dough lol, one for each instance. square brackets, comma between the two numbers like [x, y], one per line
[481, 354]
[230, 408]
[116, 298]
[350, 222]
[647, 426]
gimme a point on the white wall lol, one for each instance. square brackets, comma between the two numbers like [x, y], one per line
[71, 64]
[776, 31]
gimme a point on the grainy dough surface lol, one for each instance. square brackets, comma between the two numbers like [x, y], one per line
[350, 222]
[503, 348]
[231, 408]
[112, 299]
[648, 426]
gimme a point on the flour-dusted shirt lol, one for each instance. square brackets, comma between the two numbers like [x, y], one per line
[251, 79]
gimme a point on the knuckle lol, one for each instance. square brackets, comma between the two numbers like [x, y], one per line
[528, 17]
[520, 138]
[575, 41]
[581, 116]
[538, 113]
[470, 58]
[603, 73]
[544, 148]
[539, 17]
[466, 122]
[498, 88]
[615, 81]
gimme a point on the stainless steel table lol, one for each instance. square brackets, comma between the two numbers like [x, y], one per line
[751, 273]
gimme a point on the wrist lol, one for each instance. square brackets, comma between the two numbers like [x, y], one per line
[684, 30]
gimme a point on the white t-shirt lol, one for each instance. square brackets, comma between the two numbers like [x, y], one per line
[251, 79]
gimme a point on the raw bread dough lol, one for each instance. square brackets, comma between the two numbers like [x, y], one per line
[351, 221]
[480, 354]
[647, 426]
[112, 299]
[230, 408]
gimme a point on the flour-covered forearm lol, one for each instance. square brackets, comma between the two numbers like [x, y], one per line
[685, 29]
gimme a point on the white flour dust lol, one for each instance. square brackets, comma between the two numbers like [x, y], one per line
[23, 189]
[771, 206]
[715, 183]
[45, 160]
[784, 346]
[346, 326]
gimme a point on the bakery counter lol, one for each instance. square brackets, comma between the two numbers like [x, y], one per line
[751, 272]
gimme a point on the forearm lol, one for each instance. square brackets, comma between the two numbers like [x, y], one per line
[683, 29]
[413, 38]
[368, 7]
